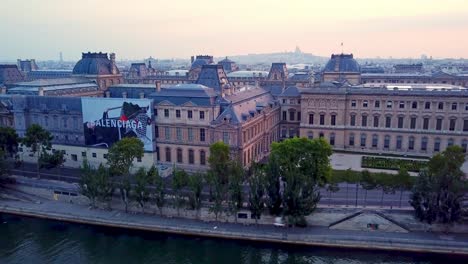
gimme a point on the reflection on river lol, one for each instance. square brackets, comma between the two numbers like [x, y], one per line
[27, 240]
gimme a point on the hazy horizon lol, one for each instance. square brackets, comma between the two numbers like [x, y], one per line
[41, 29]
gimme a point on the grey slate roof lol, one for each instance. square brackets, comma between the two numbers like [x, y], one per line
[10, 74]
[243, 104]
[32, 87]
[132, 90]
[342, 63]
[212, 76]
[291, 91]
[46, 103]
[184, 93]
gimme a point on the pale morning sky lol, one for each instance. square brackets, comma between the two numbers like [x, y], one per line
[135, 29]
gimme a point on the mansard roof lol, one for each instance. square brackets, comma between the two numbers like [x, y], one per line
[183, 93]
[9, 73]
[46, 103]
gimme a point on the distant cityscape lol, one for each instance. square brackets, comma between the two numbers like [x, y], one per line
[383, 106]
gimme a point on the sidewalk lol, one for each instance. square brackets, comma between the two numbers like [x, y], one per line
[310, 236]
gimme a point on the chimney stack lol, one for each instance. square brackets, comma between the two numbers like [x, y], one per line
[158, 86]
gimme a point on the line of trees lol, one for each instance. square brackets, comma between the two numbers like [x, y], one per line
[37, 139]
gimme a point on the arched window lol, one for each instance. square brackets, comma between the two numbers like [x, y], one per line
[351, 139]
[168, 154]
[437, 144]
[375, 140]
[332, 139]
[363, 140]
[191, 158]
[411, 143]
[387, 141]
[424, 144]
[399, 140]
[202, 157]
[179, 156]
[450, 142]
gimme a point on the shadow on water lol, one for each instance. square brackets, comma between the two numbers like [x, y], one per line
[43, 241]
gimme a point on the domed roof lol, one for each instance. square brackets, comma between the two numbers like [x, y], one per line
[95, 64]
[342, 63]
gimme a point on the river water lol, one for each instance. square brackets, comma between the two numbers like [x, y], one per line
[28, 240]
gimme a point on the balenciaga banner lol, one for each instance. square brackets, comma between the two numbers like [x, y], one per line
[107, 120]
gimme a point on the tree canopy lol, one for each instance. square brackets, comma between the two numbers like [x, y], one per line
[121, 155]
[303, 165]
[438, 191]
[8, 140]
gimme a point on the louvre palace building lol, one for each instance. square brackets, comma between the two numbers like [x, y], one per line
[179, 115]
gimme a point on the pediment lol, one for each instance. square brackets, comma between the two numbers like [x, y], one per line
[189, 103]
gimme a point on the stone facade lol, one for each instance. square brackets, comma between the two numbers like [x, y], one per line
[381, 120]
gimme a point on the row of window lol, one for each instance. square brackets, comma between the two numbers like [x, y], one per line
[413, 105]
[399, 142]
[179, 137]
[201, 114]
[426, 122]
[180, 156]
[64, 121]
[387, 142]
[401, 120]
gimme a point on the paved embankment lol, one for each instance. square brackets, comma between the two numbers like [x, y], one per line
[311, 236]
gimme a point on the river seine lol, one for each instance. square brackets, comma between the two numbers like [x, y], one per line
[28, 240]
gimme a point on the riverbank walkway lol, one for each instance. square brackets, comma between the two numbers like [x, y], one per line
[309, 236]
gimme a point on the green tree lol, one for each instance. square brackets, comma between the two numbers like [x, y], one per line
[438, 192]
[218, 195]
[3, 164]
[219, 161]
[158, 191]
[273, 187]
[195, 183]
[120, 160]
[88, 183]
[125, 189]
[121, 155]
[8, 140]
[141, 189]
[256, 193]
[96, 184]
[53, 159]
[235, 195]
[218, 175]
[105, 185]
[305, 166]
[367, 183]
[179, 182]
[403, 181]
[300, 197]
[38, 140]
